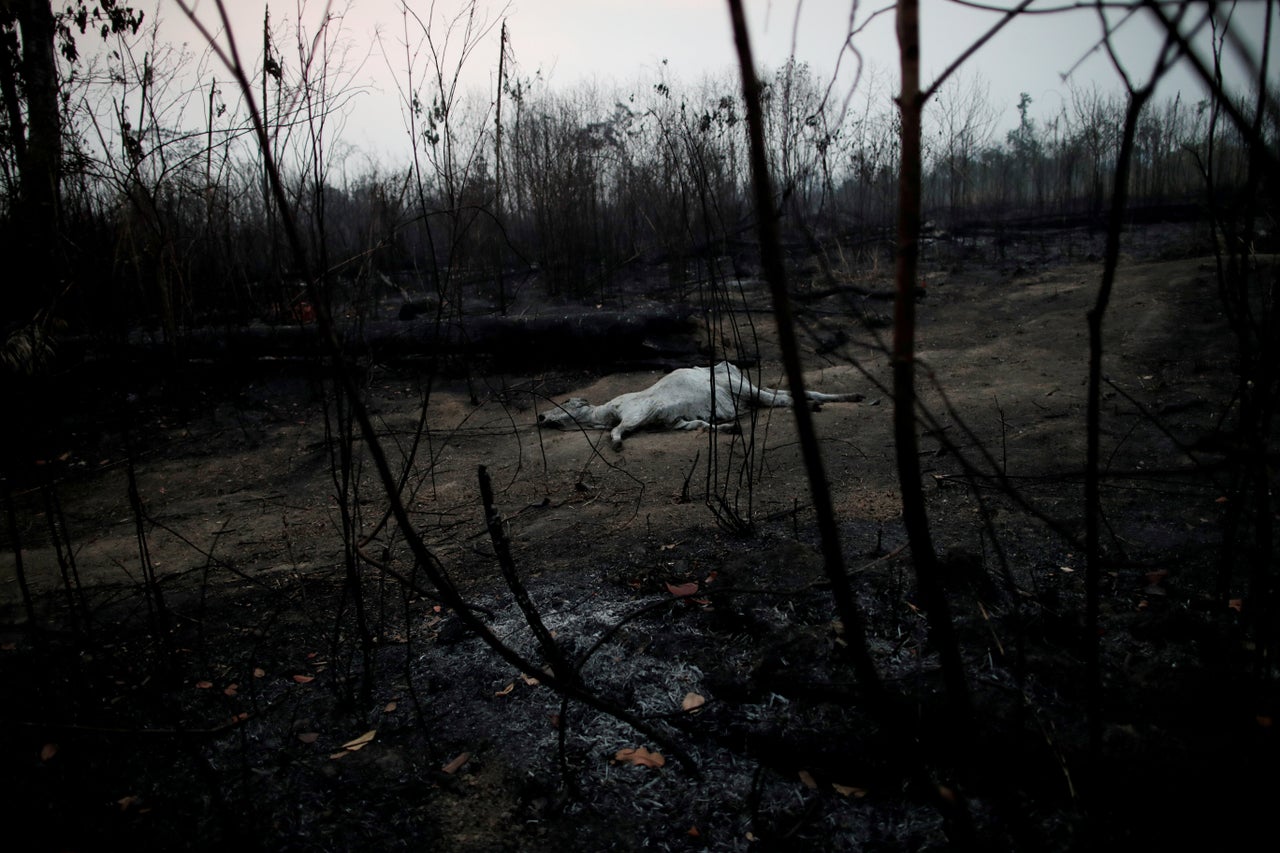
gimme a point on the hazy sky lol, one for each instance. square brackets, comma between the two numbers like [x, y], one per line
[625, 41]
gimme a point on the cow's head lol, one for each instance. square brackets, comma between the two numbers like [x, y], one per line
[566, 415]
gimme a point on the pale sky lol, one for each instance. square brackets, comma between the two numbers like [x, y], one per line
[625, 41]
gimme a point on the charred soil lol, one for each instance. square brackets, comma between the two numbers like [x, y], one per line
[202, 669]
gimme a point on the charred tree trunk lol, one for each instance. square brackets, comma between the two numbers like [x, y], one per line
[1092, 481]
[775, 273]
[914, 514]
[39, 156]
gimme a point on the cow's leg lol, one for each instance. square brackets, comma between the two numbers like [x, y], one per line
[616, 435]
[766, 396]
[724, 426]
[819, 397]
[625, 426]
[775, 397]
[742, 389]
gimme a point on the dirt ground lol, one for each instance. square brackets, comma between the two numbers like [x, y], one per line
[229, 709]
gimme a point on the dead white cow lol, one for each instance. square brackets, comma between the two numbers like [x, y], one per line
[688, 398]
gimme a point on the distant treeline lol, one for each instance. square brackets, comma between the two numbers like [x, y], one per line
[168, 219]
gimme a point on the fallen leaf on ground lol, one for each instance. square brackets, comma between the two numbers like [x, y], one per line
[806, 778]
[849, 790]
[308, 737]
[504, 691]
[389, 707]
[48, 751]
[259, 672]
[640, 757]
[203, 685]
[692, 701]
[362, 741]
[530, 680]
[231, 689]
[1236, 604]
[452, 766]
[680, 590]
[304, 679]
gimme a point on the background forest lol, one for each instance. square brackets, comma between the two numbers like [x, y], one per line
[272, 473]
[162, 179]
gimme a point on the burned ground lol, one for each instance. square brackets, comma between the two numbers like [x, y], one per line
[228, 715]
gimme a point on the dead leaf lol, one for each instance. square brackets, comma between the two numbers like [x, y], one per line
[126, 803]
[693, 832]
[389, 707]
[231, 689]
[1220, 500]
[1236, 604]
[806, 778]
[1066, 569]
[362, 741]
[259, 672]
[304, 679]
[692, 701]
[49, 750]
[682, 590]
[670, 546]
[530, 680]
[203, 685]
[453, 766]
[504, 691]
[640, 757]
[308, 737]
[849, 790]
